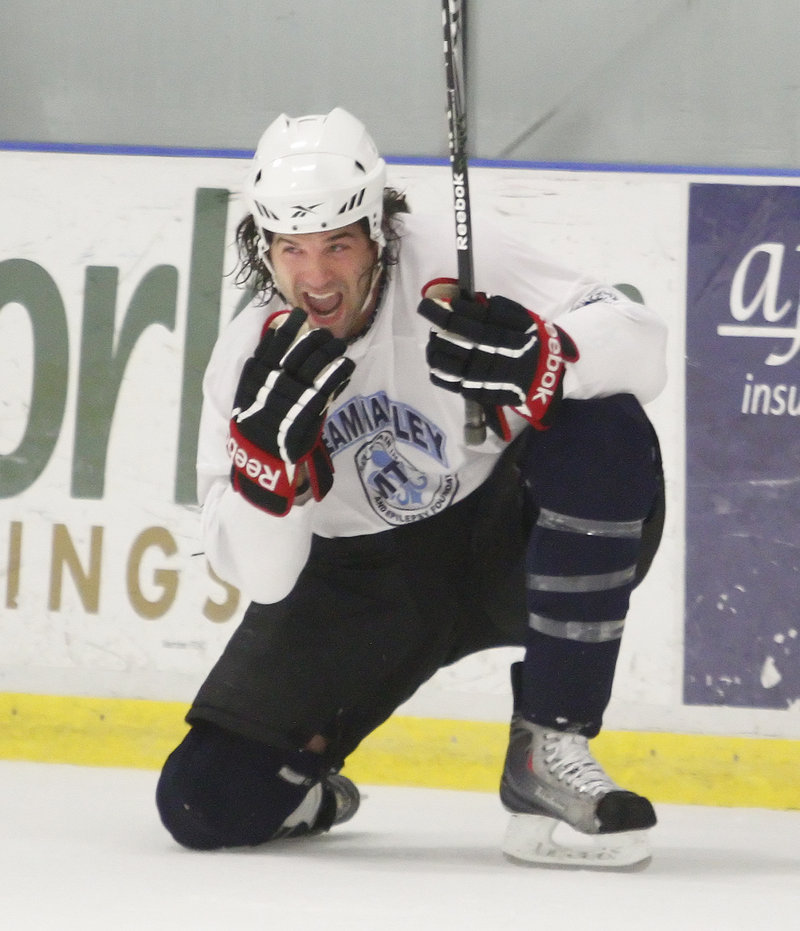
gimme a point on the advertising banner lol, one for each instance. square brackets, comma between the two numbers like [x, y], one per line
[117, 272]
[742, 618]
[115, 278]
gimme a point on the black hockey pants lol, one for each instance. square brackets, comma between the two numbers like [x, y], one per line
[544, 555]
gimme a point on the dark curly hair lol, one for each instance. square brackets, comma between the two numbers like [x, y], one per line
[252, 272]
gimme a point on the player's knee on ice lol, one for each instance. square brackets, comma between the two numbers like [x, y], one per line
[218, 789]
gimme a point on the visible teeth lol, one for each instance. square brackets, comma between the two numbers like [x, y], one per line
[323, 303]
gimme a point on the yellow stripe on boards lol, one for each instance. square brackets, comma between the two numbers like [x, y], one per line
[89, 731]
[677, 768]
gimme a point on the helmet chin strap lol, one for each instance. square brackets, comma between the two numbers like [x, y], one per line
[377, 270]
[263, 251]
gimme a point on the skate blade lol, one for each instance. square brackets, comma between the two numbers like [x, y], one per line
[529, 842]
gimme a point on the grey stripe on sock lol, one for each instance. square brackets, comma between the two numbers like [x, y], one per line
[552, 520]
[598, 582]
[583, 631]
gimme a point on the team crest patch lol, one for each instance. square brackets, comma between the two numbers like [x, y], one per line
[398, 492]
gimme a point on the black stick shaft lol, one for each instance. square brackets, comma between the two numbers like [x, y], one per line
[453, 22]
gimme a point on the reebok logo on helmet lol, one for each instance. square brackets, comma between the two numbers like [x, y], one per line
[300, 211]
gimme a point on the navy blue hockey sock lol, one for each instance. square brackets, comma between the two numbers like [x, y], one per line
[594, 478]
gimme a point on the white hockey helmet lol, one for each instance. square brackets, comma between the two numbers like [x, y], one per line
[315, 173]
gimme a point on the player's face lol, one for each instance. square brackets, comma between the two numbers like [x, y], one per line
[328, 275]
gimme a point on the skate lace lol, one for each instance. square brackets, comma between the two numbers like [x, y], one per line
[568, 759]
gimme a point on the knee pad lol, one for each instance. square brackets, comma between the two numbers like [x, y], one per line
[219, 789]
[600, 460]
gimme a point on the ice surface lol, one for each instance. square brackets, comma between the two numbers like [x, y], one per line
[83, 849]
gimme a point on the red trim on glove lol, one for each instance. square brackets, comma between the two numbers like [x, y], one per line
[320, 469]
[436, 281]
[555, 350]
[273, 475]
[262, 469]
[270, 318]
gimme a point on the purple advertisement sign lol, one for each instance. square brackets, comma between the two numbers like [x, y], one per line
[742, 621]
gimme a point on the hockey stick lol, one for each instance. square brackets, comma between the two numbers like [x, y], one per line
[453, 22]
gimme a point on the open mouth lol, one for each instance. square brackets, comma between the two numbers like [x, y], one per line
[322, 305]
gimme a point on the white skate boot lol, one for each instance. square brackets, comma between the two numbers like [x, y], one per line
[332, 801]
[550, 778]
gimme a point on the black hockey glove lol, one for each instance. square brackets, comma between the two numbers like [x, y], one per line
[279, 410]
[494, 351]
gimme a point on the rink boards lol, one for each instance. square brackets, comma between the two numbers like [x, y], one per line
[114, 282]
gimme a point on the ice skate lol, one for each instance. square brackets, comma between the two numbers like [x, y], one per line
[332, 801]
[551, 780]
[346, 796]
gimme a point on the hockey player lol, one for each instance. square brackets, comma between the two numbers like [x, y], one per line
[375, 546]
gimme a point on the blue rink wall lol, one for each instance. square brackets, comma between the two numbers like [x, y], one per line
[115, 278]
[742, 627]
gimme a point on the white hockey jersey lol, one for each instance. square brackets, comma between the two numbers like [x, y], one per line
[395, 439]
